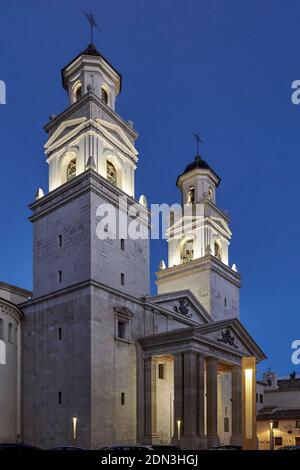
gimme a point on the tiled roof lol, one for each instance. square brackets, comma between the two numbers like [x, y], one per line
[286, 385]
[269, 413]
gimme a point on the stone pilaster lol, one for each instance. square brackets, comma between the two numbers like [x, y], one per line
[236, 433]
[178, 394]
[150, 420]
[212, 402]
[200, 387]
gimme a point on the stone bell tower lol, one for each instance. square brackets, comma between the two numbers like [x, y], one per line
[82, 283]
[198, 242]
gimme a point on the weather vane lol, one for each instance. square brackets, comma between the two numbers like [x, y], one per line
[93, 24]
[198, 140]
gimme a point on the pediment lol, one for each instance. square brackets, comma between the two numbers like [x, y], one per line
[71, 127]
[117, 136]
[232, 335]
[185, 304]
[221, 224]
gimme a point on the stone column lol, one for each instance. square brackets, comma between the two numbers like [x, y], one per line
[150, 420]
[186, 387]
[200, 387]
[189, 392]
[236, 380]
[212, 402]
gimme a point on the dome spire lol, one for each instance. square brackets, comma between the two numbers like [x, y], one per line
[198, 141]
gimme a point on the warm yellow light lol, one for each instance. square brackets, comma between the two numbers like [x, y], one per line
[178, 428]
[74, 420]
[271, 424]
[249, 402]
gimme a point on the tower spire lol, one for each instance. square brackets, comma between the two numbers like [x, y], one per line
[198, 141]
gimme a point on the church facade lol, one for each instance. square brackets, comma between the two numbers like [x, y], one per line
[102, 360]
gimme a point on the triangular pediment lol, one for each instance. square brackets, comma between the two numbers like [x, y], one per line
[117, 136]
[220, 223]
[232, 335]
[183, 303]
[72, 126]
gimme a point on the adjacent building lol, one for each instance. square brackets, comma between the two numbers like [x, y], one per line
[278, 421]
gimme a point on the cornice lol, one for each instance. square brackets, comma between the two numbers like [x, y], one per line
[207, 262]
[88, 181]
[89, 98]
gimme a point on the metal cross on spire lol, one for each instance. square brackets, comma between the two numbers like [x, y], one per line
[198, 140]
[92, 22]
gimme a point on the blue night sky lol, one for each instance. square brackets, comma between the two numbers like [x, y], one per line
[224, 67]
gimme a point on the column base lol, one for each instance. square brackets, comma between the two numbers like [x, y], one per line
[202, 442]
[213, 441]
[236, 440]
[190, 442]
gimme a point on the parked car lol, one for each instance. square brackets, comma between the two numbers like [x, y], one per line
[127, 447]
[289, 448]
[164, 448]
[226, 447]
[142, 447]
[68, 448]
[17, 447]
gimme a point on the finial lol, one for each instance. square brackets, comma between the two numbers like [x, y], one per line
[162, 265]
[39, 194]
[91, 165]
[92, 22]
[143, 200]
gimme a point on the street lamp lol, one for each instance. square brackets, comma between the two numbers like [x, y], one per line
[178, 429]
[74, 426]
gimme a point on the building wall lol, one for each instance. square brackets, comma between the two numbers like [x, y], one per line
[9, 373]
[108, 260]
[224, 407]
[286, 429]
[72, 222]
[90, 366]
[209, 281]
[83, 255]
[51, 365]
[260, 396]
[165, 401]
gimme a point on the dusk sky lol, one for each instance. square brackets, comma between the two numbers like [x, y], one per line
[223, 67]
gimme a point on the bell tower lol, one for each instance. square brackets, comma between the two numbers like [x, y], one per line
[89, 134]
[198, 245]
[85, 285]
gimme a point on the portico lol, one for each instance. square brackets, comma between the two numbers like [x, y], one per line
[200, 356]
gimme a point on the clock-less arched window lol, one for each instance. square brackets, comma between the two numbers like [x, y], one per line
[111, 173]
[104, 95]
[71, 169]
[77, 91]
[187, 253]
[191, 195]
[218, 251]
